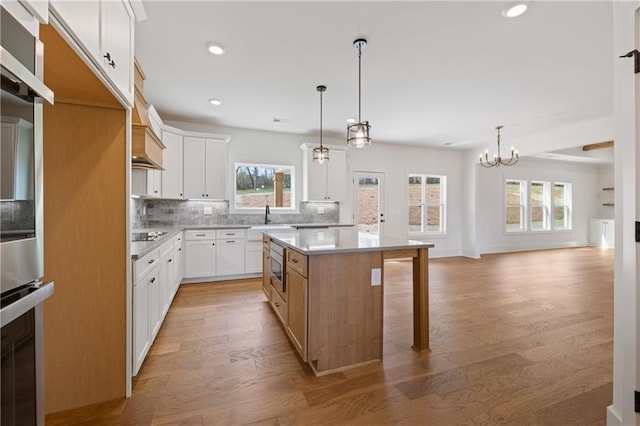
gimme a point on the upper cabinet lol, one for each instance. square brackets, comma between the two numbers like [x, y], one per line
[323, 182]
[204, 168]
[103, 30]
[172, 176]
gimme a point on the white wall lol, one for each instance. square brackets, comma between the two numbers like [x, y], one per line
[397, 162]
[491, 236]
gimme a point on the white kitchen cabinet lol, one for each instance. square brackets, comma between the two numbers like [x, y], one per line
[146, 183]
[103, 29]
[253, 252]
[602, 233]
[200, 254]
[178, 268]
[324, 182]
[172, 161]
[167, 277]
[204, 168]
[146, 313]
[230, 251]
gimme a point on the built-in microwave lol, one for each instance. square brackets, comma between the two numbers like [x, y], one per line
[276, 268]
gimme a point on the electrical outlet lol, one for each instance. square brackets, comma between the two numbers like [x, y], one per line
[376, 276]
[208, 211]
[320, 210]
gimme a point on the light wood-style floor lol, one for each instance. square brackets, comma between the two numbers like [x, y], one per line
[517, 339]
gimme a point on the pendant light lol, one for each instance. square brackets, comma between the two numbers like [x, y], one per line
[321, 154]
[358, 133]
[497, 159]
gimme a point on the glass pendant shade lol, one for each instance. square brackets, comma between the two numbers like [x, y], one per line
[358, 135]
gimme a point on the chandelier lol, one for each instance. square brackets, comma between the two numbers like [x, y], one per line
[497, 159]
[358, 133]
[321, 154]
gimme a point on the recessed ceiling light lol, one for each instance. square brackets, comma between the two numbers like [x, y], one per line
[515, 9]
[215, 102]
[351, 120]
[215, 48]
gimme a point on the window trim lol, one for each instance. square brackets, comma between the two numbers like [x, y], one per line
[546, 206]
[275, 210]
[524, 187]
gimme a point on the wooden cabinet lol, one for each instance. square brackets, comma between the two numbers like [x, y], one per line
[230, 252]
[324, 182]
[146, 183]
[204, 168]
[266, 284]
[103, 30]
[602, 233]
[172, 179]
[297, 310]
[200, 254]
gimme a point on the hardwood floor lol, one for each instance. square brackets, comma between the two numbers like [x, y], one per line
[517, 339]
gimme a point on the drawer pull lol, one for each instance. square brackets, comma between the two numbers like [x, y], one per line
[230, 241]
[153, 280]
[151, 261]
[294, 260]
[201, 235]
[277, 305]
[170, 260]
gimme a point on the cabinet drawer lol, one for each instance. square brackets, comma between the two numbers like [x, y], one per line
[235, 234]
[200, 235]
[279, 305]
[297, 261]
[144, 264]
[166, 248]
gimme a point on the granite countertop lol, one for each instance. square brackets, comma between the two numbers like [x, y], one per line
[339, 240]
[140, 248]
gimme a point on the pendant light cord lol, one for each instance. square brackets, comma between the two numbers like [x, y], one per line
[359, 84]
[320, 120]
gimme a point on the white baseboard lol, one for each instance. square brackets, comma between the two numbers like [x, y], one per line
[471, 253]
[613, 418]
[529, 247]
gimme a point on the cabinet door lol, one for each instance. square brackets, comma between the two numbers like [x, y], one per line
[166, 284]
[230, 257]
[172, 162]
[253, 260]
[194, 163]
[337, 175]
[608, 233]
[117, 37]
[177, 270]
[215, 169]
[200, 259]
[82, 19]
[141, 328]
[266, 284]
[316, 177]
[297, 306]
[155, 304]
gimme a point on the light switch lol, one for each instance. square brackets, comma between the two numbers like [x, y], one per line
[376, 276]
[320, 210]
[208, 211]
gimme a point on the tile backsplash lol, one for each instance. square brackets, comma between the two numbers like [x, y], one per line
[153, 212]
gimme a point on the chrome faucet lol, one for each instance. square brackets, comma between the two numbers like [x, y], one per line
[267, 212]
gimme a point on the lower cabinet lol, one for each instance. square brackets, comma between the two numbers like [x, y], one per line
[297, 307]
[200, 254]
[602, 233]
[230, 257]
[156, 277]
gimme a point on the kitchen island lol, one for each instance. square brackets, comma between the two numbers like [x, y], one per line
[328, 292]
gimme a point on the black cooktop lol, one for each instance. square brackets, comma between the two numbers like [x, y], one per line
[147, 236]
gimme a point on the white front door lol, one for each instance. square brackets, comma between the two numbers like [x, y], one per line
[368, 202]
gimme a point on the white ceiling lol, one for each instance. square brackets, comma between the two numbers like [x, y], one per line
[434, 73]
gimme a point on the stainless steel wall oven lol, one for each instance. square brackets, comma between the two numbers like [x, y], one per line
[21, 224]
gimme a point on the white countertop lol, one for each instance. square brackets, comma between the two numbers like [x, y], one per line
[339, 240]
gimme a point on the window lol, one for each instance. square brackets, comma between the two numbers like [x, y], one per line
[562, 205]
[256, 185]
[427, 205]
[548, 208]
[540, 205]
[515, 205]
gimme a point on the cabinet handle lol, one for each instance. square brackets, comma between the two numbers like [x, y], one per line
[207, 195]
[109, 60]
[201, 235]
[294, 260]
[277, 305]
[203, 195]
[230, 241]
[151, 261]
[170, 260]
[180, 249]
[213, 244]
[153, 280]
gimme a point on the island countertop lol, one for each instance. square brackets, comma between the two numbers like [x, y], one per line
[336, 240]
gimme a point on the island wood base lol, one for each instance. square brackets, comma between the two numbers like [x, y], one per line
[335, 310]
